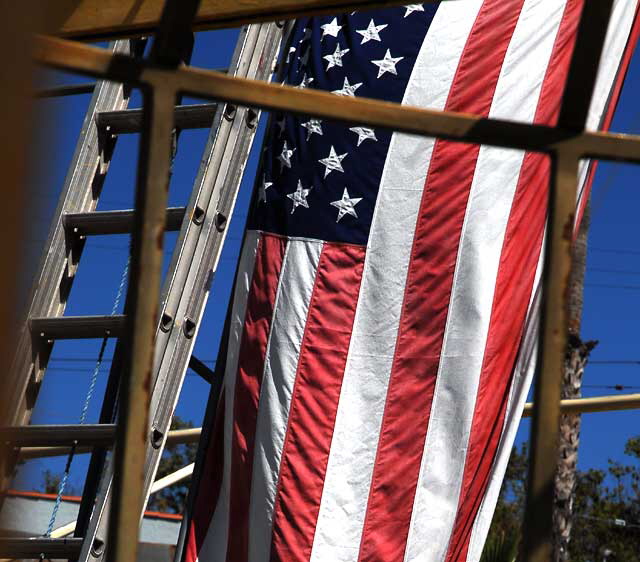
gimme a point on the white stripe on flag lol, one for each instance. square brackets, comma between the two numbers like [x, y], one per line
[215, 543]
[362, 399]
[617, 37]
[283, 350]
[494, 184]
[522, 377]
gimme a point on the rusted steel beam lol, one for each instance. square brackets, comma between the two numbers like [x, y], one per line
[100, 19]
[538, 544]
[594, 404]
[174, 437]
[69, 55]
[538, 528]
[570, 406]
[146, 264]
[154, 164]
[583, 70]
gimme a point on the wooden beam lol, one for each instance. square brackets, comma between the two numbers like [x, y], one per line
[571, 406]
[102, 19]
[76, 57]
[594, 404]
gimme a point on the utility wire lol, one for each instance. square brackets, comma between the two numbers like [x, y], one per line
[614, 362]
[616, 271]
[615, 251]
[90, 360]
[613, 286]
[611, 386]
[616, 522]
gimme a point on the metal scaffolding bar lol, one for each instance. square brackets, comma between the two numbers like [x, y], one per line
[114, 222]
[196, 116]
[69, 55]
[537, 544]
[37, 435]
[161, 80]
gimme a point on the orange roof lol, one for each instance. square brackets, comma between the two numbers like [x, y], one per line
[77, 499]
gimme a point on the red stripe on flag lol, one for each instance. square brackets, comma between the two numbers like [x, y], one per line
[518, 262]
[314, 401]
[611, 108]
[260, 306]
[428, 291]
[208, 487]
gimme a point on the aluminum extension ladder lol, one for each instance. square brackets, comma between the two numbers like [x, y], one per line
[202, 229]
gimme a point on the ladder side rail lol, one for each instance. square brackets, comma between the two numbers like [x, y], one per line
[181, 264]
[55, 273]
[204, 263]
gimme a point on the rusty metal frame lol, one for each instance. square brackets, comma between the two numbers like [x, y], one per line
[97, 19]
[566, 144]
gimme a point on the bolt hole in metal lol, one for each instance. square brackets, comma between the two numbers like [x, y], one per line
[198, 215]
[230, 112]
[97, 546]
[189, 327]
[221, 221]
[252, 118]
[166, 322]
[156, 437]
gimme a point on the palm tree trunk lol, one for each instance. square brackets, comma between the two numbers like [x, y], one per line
[575, 362]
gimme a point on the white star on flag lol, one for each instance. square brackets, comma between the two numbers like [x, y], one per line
[263, 188]
[285, 157]
[413, 8]
[372, 33]
[332, 28]
[346, 205]
[347, 89]
[312, 126]
[305, 82]
[299, 197]
[332, 162]
[387, 64]
[336, 58]
[364, 134]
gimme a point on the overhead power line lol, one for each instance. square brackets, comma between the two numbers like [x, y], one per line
[615, 250]
[613, 286]
[616, 271]
[615, 362]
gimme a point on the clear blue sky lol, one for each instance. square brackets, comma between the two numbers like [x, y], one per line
[612, 300]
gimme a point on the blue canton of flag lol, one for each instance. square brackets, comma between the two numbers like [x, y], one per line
[320, 179]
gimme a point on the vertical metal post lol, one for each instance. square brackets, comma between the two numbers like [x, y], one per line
[538, 525]
[147, 241]
[581, 78]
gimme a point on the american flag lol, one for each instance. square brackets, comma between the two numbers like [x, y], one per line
[382, 330]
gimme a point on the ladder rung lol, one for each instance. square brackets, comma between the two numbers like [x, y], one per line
[66, 90]
[114, 222]
[78, 327]
[58, 435]
[196, 116]
[33, 547]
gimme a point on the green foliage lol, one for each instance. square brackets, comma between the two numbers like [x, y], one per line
[500, 548]
[601, 498]
[51, 484]
[173, 498]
